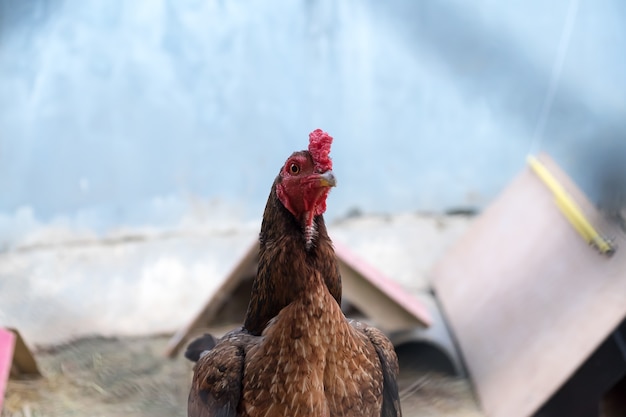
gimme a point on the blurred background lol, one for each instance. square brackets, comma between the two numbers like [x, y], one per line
[153, 113]
[139, 140]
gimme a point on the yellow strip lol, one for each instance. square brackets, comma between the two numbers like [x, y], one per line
[569, 208]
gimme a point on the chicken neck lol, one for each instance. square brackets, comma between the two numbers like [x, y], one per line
[285, 260]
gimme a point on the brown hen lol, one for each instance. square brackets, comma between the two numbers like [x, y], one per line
[297, 354]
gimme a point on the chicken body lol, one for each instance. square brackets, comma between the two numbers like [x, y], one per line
[309, 361]
[297, 354]
[315, 361]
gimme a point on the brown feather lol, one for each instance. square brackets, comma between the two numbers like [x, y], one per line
[297, 354]
[280, 266]
[390, 368]
[313, 362]
[309, 361]
[216, 385]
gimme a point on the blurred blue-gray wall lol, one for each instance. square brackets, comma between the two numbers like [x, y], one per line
[137, 113]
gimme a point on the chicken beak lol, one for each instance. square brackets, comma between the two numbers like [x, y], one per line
[327, 179]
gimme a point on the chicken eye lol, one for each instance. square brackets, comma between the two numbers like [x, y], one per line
[294, 169]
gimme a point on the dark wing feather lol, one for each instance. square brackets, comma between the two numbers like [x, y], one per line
[217, 379]
[200, 345]
[389, 363]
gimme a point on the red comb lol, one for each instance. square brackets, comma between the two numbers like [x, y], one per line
[319, 148]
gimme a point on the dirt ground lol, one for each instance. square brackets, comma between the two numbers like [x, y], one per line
[129, 376]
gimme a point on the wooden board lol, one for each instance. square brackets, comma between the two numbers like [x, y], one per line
[24, 364]
[7, 343]
[527, 299]
[377, 296]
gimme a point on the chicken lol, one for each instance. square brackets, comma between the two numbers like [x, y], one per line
[297, 354]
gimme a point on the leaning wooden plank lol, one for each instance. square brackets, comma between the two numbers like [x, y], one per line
[24, 364]
[7, 343]
[526, 297]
